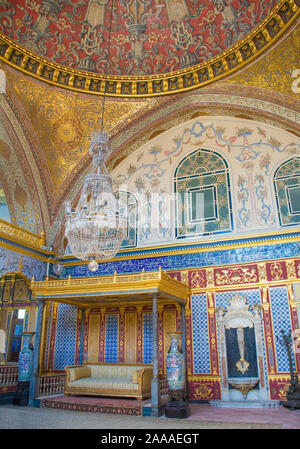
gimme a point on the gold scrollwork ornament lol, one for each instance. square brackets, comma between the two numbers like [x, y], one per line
[242, 365]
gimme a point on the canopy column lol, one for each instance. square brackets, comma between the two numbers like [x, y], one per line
[157, 407]
[34, 381]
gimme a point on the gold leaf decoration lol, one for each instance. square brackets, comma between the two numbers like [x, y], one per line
[5, 151]
[20, 196]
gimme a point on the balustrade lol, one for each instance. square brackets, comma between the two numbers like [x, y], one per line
[51, 384]
[8, 376]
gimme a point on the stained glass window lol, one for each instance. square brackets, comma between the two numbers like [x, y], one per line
[202, 192]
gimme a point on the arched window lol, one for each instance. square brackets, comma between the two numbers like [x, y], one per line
[287, 191]
[202, 192]
[127, 198]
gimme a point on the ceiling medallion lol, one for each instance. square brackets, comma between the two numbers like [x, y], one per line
[191, 74]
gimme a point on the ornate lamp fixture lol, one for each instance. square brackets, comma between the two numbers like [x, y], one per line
[96, 228]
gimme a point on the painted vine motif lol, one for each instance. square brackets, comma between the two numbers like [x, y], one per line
[147, 36]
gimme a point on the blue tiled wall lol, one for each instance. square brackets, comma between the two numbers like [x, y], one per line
[200, 334]
[65, 336]
[112, 339]
[281, 320]
[147, 338]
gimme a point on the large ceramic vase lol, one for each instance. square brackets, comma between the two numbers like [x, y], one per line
[175, 363]
[26, 358]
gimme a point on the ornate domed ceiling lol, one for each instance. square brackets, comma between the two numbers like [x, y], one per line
[147, 36]
[65, 42]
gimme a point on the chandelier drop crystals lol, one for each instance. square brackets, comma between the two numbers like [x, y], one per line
[96, 227]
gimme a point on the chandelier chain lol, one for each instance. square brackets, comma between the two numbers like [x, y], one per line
[106, 71]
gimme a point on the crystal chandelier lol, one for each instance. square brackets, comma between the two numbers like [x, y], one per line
[96, 228]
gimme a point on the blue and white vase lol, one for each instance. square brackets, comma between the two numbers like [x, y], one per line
[26, 358]
[175, 363]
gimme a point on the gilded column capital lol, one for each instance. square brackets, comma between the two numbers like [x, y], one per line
[160, 308]
[210, 277]
[139, 309]
[178, 308]
[184, 276]
[122, 310]
[188, 312]
[290, 268]
[262, 272]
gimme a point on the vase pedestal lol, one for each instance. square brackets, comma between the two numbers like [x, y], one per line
[179, 410]
[293, 399]
[22, 394]
[177, 406]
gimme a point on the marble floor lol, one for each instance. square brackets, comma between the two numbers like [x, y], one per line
[289, 419]
[203, 416]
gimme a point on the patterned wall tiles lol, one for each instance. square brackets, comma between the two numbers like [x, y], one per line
[200, 334]
[9, 261]
[252, 296]
[190, 260]
[147, 338]
[65, 336]
[111, 338]
[281, 321]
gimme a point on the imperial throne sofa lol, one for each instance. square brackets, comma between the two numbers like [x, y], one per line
[109, 379]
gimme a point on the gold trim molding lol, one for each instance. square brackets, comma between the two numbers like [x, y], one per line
[22, 236]
[236, 57]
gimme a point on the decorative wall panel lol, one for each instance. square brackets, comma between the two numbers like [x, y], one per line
[94, 330]
[147, 337]
[200, 335]
[130, 337]
[111, 338]
[65, 336]
[281, 321]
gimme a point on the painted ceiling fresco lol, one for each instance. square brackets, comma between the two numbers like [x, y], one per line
[147, 36]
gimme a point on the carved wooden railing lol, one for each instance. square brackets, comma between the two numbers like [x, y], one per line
[51, 384]
[8, 376]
